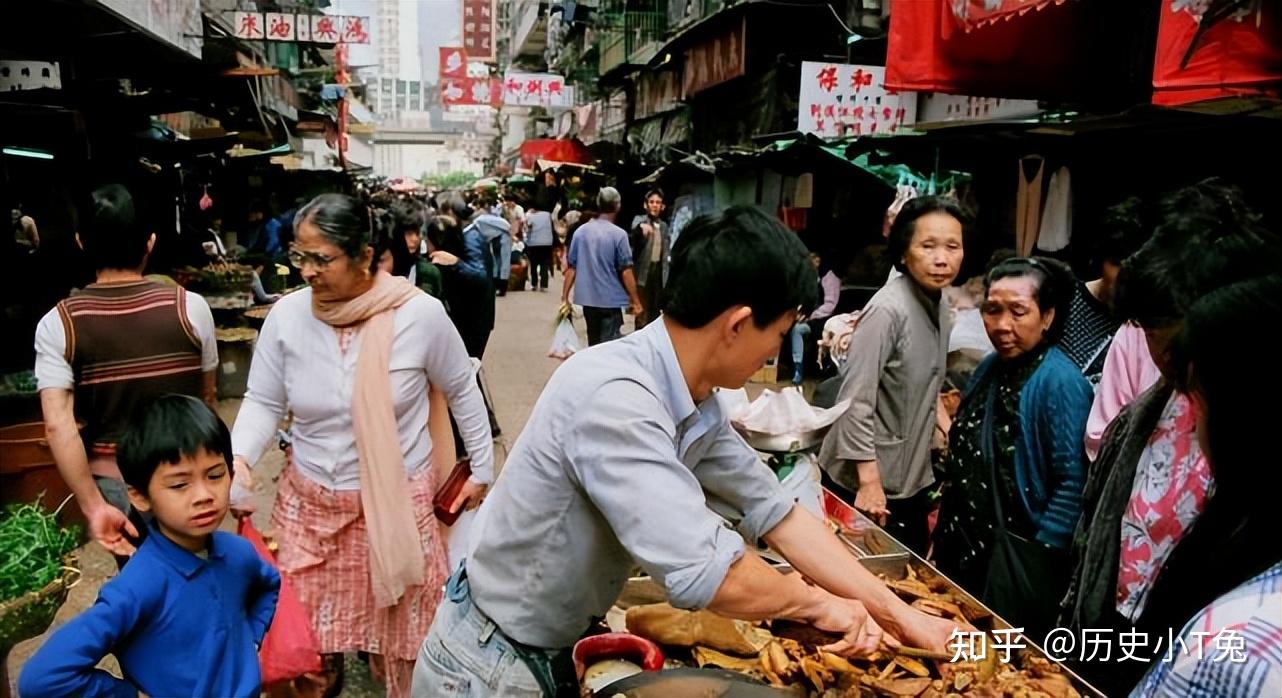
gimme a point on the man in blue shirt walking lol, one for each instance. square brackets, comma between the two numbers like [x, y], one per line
[600, 261]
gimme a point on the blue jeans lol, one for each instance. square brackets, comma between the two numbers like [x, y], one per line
[465, 654]
[604, 324]
[800, 331]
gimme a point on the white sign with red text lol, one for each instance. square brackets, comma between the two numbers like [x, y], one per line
[839, 99]
[537, 90]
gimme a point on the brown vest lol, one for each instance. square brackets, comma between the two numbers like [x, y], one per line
[127, 344]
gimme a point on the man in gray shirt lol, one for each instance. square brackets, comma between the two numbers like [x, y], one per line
[624, 454]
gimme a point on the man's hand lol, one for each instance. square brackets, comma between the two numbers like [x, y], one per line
[634, 307]
[470, 496]
[647, 229]
[871, 498]
[108, 525]
[861, 634]
[928, 632]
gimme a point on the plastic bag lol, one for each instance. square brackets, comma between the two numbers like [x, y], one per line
[565, 341]
[290, 648]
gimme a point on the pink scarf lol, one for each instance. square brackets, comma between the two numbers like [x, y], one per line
[395, 553]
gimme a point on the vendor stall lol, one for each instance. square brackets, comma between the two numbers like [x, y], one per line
[699, 653]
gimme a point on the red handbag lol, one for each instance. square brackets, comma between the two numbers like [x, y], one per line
[449, 491]
[290, 648]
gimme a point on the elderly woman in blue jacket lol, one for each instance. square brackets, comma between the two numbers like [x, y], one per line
[1016, 464]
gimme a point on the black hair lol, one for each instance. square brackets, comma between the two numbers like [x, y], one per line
[1123, 231]
[509, 196]
[654, 192]
[446, 234]
[1206, 238]
[407, 215]
[905, 225]
[458, 207]
[1229, 376]
[740, 256]
[166, 430]
[342, 220]
[1054, 290]
[998, 256]
[110, 233]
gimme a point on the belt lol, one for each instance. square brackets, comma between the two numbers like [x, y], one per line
[553, 669]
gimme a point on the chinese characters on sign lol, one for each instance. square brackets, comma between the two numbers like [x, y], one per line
[537, 90]
[282, 26]
[453, 62]
[478, 29]
[461, 92]
[715, 61]
[1096, 645]
[838, 99]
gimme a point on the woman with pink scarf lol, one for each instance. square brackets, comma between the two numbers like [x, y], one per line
[352, 359]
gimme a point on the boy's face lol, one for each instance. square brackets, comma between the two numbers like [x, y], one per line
[746, 347]
[189, 498]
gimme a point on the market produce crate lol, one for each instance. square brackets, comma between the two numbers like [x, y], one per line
[28, 471]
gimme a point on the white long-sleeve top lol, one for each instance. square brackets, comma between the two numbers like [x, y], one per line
[299, 367]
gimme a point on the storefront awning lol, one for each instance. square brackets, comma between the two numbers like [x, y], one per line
[560, 150]
[1217, 54]
[977, 13]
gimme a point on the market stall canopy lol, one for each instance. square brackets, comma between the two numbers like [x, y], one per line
[978, 13]
[403, 185]
[563, 150]
[1046, 50]
[1225, 50]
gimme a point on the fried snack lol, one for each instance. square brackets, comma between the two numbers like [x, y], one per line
[677, 628]
[706, 656]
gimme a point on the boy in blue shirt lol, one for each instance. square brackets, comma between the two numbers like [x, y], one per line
[186, 615]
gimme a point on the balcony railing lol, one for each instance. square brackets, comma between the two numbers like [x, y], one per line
[624, 34]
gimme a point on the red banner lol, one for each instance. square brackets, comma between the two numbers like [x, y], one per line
[1240, 55]
[478, 29]
[1036, 56]
[453, 62]
[977, 13]
[471, 92]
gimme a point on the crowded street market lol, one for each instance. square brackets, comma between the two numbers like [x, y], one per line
[640, 348]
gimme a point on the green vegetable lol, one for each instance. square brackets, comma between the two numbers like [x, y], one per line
[32, 546]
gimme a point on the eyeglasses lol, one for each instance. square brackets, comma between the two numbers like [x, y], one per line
[299, 258]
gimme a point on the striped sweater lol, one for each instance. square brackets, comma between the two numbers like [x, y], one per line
[1050, 456]
[127, 343]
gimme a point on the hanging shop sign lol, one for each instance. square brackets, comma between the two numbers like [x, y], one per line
[460, 92]
[16, 76]
[716, 60]
[453, 62]
[838, 99]
[175, 23]
[478, 29]
[936, 107]
[285, 26]
[537, 90]
[657, 92]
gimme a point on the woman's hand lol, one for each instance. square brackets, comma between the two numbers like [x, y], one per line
[443, 258]
[469, 497]
[871, 498]
[242, 488]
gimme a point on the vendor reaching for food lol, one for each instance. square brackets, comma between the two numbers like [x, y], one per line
[618, 462]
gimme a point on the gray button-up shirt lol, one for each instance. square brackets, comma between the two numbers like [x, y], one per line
[617, 463]
[892, 376]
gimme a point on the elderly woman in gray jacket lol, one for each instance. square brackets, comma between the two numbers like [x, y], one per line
[879, 450]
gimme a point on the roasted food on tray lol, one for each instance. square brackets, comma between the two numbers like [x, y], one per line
[788, 655]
